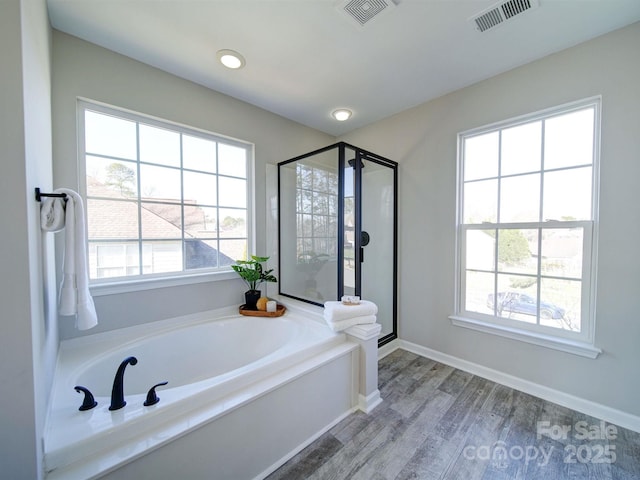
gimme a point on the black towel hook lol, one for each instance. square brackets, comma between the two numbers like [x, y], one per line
[39, 195]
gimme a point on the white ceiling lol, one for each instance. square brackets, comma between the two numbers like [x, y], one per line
[306, 58]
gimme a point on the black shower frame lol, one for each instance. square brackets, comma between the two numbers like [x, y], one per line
[360, 154]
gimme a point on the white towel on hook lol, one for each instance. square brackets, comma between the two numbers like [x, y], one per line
[75, 298]
[52, 214]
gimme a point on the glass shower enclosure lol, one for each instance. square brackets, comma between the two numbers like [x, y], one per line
[338, 229]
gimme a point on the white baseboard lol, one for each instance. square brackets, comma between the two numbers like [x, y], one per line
[597, 410]
[387, 348]
[371, 401]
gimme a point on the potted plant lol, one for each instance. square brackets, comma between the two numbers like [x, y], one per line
[253, 274]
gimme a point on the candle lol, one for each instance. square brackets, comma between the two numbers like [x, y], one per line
[272, 306]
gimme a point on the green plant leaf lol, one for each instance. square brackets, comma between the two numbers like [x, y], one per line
[252, 272]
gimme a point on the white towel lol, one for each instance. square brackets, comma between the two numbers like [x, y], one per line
[340, 325]
[75, 298]
[335, 311]
[52, 214]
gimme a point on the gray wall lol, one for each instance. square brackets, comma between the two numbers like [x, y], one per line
[81, 69]
[423, 141]
[28, 328]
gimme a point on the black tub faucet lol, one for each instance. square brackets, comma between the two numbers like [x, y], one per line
[152, 397]
[89, 401]
[117, 392]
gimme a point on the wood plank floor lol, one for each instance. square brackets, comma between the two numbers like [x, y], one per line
[437, 422]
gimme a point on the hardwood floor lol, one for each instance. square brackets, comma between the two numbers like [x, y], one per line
[437, 422]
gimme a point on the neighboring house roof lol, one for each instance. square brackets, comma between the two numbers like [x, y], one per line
[158, 220]
[115, 217]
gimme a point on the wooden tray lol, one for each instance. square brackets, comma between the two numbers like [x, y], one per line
[280, 309]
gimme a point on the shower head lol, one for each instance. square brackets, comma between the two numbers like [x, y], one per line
[352, 163]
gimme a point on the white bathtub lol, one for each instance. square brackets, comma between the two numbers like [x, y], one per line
[215, 363]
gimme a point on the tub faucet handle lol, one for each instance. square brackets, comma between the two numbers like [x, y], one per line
[89, 402]
[152, 398]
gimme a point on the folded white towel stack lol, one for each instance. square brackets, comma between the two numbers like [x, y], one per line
[75, 298]
[335, 311]
[350, 322]
[340, 316]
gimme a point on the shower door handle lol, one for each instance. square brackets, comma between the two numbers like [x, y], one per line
[364, 241]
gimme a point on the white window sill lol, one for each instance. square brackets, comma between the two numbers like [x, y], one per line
[564, 345]
[139, 284]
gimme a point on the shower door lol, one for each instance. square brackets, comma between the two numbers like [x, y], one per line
[338, 229]
[370, 225]
[378, 258]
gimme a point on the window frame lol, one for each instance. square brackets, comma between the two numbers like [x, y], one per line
[123, 284]
[582, 343]
[325, 214]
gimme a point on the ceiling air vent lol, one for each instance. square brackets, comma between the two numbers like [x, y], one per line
[363, 11]
[501, 12]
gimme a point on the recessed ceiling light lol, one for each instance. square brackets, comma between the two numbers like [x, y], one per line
[230, 59]
[342, 114]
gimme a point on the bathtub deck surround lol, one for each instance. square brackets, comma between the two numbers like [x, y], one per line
[297, 379]
[366, 336]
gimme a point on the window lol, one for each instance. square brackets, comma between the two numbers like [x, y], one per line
[162, 199]
[317, 212]
[526, 231]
